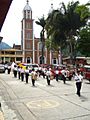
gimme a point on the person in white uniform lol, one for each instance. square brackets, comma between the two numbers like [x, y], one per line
[78, 78]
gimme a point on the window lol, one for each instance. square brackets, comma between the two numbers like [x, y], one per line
[2, 52]
[28, 35]
[28, 26]
[10, 52]
[28, 45]
[54, 61]
[18, 52]
[24, 14]
[19, 59]
[29, 60]
[40, 46]
[28, 14]
[40, 60]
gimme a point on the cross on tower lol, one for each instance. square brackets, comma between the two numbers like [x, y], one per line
[27, 1]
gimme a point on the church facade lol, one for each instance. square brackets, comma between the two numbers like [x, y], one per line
[31, 46]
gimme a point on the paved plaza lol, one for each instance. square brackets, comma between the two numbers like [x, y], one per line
[21, 101]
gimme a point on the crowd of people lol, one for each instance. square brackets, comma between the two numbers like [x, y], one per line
[47, 73]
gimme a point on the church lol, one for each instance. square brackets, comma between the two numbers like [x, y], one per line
[31, 46]
[30, 49]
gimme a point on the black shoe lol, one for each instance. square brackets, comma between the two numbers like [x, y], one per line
[78, 94]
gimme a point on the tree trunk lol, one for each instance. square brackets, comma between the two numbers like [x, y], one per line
[60, 56]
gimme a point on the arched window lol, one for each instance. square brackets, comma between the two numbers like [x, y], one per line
[40, 60]
[54, 60]
[29, 60]
[24, 14]
[28, 14]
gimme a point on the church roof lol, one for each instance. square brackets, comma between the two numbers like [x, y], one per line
[27, 7]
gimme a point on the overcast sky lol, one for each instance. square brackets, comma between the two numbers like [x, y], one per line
[11, 30]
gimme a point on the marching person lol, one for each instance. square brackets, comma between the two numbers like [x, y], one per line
[15, 71]
[9, 69]
[78, 78]
[22, 74]
[26, 74]
[33, 77]
[48, 75]
[19, 74]
[40, 70]
[63, 72]
[57, 74]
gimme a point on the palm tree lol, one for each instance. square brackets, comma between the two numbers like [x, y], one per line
[42, 23]
[62, 25]
[55, 31]
[77, 16]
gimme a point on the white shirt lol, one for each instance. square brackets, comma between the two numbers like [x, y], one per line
[78, 78]
[63, 72]
[22, 70]
[48, 73]
[26, 71]
[57, 72]
[15, 68]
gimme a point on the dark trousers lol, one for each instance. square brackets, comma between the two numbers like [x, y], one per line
[48, 80]
[78, 85]
[15, 73]
[57, 77]
[9, 71]
[64, 79]
[26, 75]
[33, 82]
[22, 76]
[19, 75]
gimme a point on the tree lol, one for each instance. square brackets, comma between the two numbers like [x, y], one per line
[76, 17]
[54, 28]
[84, 41]
[42, 23]
[63, 26]
[73, 23]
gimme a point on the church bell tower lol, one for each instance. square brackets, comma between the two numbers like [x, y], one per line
[27, 39]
